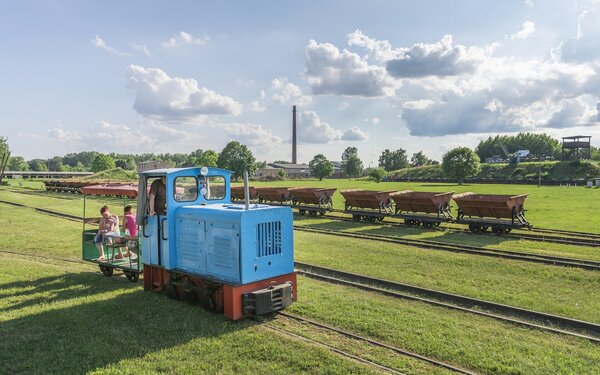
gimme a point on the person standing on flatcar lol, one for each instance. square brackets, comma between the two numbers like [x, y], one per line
[158, 197]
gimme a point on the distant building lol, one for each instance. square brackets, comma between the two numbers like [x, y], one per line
[267, 172]
[293, 170]
[337, 169]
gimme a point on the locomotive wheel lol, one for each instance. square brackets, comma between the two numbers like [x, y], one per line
[498, 231]
[171, 291]
[132, 276]
[190, 297]
[106, 271]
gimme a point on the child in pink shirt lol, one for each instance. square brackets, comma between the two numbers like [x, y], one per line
[129, 227]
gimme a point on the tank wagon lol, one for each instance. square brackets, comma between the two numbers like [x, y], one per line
[422, 208]
[312, 201]
[238, 259]
[368, 205]
[500, 212]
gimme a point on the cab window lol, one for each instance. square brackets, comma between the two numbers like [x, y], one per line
[215, 187]
[186, 189]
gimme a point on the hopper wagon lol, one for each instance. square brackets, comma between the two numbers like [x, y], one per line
[422, 208]
[312, 201]
[277, 195]
[501, 213]
[237, 193]
[368, 205]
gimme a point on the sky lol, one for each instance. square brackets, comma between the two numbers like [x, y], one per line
[176, 76]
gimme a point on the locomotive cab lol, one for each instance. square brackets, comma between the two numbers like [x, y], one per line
[231, 258]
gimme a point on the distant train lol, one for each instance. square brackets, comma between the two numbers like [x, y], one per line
[500, 213]
[238, 259]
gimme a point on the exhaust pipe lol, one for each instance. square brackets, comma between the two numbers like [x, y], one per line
[246, 191]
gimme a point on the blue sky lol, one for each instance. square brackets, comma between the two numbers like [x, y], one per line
[151, 76]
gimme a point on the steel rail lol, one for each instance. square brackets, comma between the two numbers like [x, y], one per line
[509, 314]
[354, 336]
[458, 248]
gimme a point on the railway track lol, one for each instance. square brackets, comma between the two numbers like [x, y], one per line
[431, 245]
[456, 248]
[508, 314]
[587, 239]
[368, 341]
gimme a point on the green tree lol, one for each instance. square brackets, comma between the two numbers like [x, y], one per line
[79, 167]
[209, 158]
[320, 167]
[38, 165]
[460, 163]
[393, 160]
[102, 162]
[537, 144]
[4, 149]
[17, 163]
[377, 174]
[351, 163]
[237, 158]
[419, 159]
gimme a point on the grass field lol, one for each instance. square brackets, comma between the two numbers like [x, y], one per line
[59, 317]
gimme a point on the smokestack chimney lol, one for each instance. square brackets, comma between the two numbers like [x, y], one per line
[294, 160]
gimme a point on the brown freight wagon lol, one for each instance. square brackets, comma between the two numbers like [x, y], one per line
[312, 200]
[422, 208]
[279, 195]
[368, 205]
[237, 193]
[500, 212]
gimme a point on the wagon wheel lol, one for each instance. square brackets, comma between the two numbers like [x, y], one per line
[380, 219]
[371, 219]
[427, 224]
[132, 276]
[106, 271]
[171, 291]
[408, 222]
[507, 230]
[313, 213]
[484, 228]
[355, 217]
[437, 224]
[302, 212]
[498, 231]
[474, 228]
[322, 212]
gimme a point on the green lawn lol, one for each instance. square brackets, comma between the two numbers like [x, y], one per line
[558, 290]
[56, 319]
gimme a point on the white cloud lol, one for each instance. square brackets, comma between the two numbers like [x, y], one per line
[585, 45]
[418, 104]
[343, 106]
[161, 97]
[529, 3]
[62, 135]
[527, 29]
[382, 49]
[438, 59]
[100, 43]
[355, 134]
[255, 106]
[329, 71]
[140, 48]
[285, 92]
[312, 130]
[250, 134]
[184, 38]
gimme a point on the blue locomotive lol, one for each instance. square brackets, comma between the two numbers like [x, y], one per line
[234, 258]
